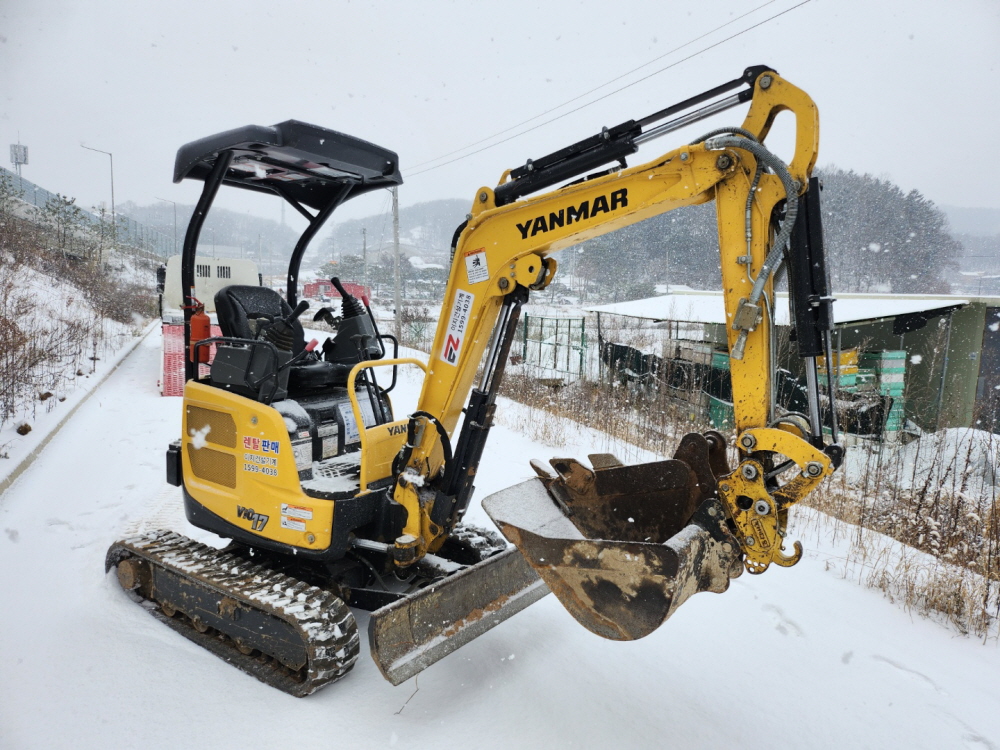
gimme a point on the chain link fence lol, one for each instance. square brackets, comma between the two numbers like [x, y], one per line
[128, 231]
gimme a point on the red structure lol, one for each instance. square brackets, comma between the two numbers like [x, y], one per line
[323, 288]
[172, 376]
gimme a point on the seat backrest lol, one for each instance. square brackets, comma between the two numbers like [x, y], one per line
[236, 305]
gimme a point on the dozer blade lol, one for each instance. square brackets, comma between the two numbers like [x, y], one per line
[409, 635]
[622, 547]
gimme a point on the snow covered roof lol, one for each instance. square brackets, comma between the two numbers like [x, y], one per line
[420, 264]
[707, 307]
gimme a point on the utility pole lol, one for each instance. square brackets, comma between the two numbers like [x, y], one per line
[395, 246]
[364, 255]
[112, 158]
[666, 270]
[114, 218]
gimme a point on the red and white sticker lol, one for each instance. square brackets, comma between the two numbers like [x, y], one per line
[458, 320]
[297, 511]
[475, 266]
[293, 524]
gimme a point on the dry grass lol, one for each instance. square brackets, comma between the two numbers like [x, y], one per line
[930, 540]
[417, 324]
[628, 420]
[41, 354]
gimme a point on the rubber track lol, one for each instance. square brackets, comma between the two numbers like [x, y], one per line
[325, 624]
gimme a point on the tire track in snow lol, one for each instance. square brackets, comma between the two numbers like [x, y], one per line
[920, 676]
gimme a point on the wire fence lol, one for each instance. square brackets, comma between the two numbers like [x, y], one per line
[558, 345]
[128, 231]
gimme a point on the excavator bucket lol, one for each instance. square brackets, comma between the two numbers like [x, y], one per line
[622, 547]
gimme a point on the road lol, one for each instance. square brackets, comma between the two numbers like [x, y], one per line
[798, 657]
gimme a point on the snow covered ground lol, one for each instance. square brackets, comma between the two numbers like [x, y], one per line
[47, 313]
[798, 657]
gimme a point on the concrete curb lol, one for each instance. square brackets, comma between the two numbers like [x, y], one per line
[29, 459]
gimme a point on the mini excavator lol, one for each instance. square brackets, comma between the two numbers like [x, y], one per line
[330, 501]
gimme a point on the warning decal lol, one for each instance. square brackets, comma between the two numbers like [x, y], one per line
[457, 322]
[297, 511]
[291, 523]
[475, 265]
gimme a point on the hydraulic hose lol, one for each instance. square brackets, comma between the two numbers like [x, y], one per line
[728, 131]
[756, 178]
[403, 457]
[791, 186]
[774, 258]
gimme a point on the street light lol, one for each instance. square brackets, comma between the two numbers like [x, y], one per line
[114, 221]
[165, 200]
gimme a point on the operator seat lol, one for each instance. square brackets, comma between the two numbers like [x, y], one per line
[237, 305]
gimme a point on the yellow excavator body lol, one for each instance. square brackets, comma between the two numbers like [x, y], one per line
[293, 452]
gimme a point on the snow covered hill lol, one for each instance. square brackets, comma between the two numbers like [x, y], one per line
[799, 657]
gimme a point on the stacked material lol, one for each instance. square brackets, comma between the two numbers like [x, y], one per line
[887, 373]
[845, 367]
[691, 351]
[720, 413]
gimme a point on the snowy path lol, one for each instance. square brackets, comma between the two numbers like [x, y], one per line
[796, 657]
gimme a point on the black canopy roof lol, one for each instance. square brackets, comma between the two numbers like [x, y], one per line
[303, 163]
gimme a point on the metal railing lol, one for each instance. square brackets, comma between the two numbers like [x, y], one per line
[128, 231]
[556, 344]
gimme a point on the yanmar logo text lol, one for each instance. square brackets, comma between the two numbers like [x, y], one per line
[602, 204]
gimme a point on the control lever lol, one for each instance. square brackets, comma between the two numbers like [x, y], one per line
[299, 309]
[325, 315]
[282, 332]
[350, 306]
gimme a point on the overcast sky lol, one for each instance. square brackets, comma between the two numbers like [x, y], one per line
[907, 89]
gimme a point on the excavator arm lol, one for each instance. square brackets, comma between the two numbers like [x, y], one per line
[691, 520]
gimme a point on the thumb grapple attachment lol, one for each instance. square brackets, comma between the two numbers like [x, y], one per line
[622, 547]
